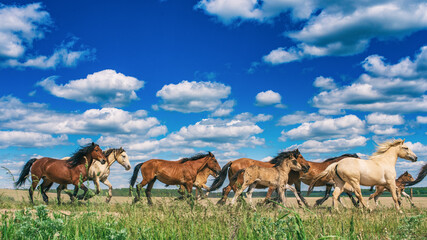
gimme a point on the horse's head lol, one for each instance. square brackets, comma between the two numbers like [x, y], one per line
[293, 163]
[213, 164]
[406, 153]
[97, 154]
[406, 177]
[122, 158]
[301, 160]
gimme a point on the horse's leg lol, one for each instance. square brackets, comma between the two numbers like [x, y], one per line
[358, 192]
[148, 191]
[287, 186]
[225, 192]
[98, 187]
[339, 188]
[408, 197]
[205, 195]
[249, 193]
[76, 190]
[269, 193]
[378, 191]
[391, 186]
[58, 192]
[85, 189]
[110, 190]
[327, 193]
[282, 196]
[45, 186]
[31, 190]
[298, 189]
[355, 203]
[139, 187]
[238, 193]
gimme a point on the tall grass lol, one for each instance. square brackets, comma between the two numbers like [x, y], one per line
[168, 219]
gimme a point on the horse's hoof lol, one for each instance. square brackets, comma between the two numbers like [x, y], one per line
[107, 200]
[221, 202]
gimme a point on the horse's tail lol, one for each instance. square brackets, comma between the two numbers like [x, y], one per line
[134, 177]
[221, 177]
[328, 172]
[25, 172]
[421, 175]
[236, 175]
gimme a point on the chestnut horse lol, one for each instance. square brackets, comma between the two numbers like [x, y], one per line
[400, 187]
[182, 172]
[233, 167]
[201, 179]
[72, 171]
[274, 177]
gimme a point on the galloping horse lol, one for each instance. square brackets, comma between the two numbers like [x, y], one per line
[183, 172]
[201, 179]
[400, 187]
[100, 172]
[233, 167]
[380, 169]
[51, 170]
[274, 177]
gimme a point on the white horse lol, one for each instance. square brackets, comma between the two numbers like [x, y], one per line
[380, 169]
[100, 172]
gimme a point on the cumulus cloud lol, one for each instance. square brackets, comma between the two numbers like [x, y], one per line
[384, 119]
[333, 145]
[349, 125]
[422, 119]
[324, 83]
[30, 139]
[20, 27]
[224, 109]
[375, 93]
[106, 87]
[193, 96]
[299, 117]
[269, 98]
[107, 121]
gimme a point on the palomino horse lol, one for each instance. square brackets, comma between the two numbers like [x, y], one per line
[201, 179]
[405, 177]
[72, 171]
[183, 172]
[380, 169]
[100, 172]
[233, 167]
[276, 177]
[296, 178]
[421, 175]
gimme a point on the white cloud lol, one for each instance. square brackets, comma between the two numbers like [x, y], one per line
[349, 125]
[324, 83]
[334, 145]
[280, 55]
[224, 109]
[383, 130]
[20, 27]
[299, 117]
[384, 119]
[385, 94]
[193, 96]
[30, 139]
[269, 98]
[422, 119]
[106, 87]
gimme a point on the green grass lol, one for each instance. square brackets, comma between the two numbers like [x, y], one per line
[191, 220]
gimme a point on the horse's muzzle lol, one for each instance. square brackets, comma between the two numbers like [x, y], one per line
[414, 159]
[305, 168]
[103, 161]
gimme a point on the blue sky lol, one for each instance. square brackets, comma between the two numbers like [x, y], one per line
[240, 78]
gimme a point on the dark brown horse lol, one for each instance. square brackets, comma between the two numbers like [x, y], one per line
[235, 166]
[182, 172]
[50, 170]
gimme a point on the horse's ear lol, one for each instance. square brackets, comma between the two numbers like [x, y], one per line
[210, 154]
[406, 173]
[93, 144]
[403, 141]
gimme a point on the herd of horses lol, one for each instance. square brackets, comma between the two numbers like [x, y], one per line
[287, 170]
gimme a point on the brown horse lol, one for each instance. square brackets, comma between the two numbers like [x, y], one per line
[183, 172]
[72, 171]
[400, 187]
[233, 167]
[201, 179]
[275, 177]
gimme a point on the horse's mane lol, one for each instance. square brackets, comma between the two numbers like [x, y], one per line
[278, 160]
[193, 158]
[354, 155]
[383, 147]
[79, 154]
[111, 150]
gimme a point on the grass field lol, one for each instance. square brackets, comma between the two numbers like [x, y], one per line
[169, 219]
